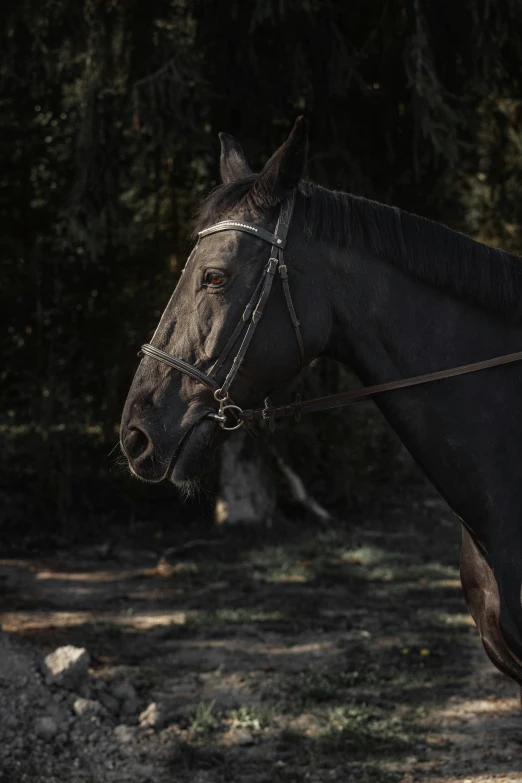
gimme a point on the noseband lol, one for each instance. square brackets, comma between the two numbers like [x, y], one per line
[249, 320]
[248, 324]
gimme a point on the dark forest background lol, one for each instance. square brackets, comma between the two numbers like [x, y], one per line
[109, 118]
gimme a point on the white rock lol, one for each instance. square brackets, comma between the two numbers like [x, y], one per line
[86, 707]
[67, 666]
[45, 728]
[124, 733]
[150, 716]
[235, 736]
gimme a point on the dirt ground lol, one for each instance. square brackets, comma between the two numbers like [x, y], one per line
[299, 653]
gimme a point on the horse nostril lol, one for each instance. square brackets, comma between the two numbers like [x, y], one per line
[136, 442]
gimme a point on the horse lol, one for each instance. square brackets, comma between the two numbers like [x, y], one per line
[385, 292]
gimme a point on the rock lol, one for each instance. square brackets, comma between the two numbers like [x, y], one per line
[45, 728]
[150, 717]
[97, 684]
[129, 707]
[11, 722]
[67, 666]
[84, 708]
[128, 698]
[244, 737]
[61, 716]
[238, 737]
[124, 691]
[109, 702]
[124, 733]
[84, 690]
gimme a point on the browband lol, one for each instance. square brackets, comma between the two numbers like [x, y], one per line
[233, 225]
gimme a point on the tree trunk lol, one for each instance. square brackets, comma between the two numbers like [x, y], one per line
[246, 488]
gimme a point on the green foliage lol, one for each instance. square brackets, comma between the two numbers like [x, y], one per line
[110, 113]
[204, 721]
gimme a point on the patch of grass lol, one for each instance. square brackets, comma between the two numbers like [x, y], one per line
[253, 718]
[364, 730]
[204, 722]
[346, 746]
[289, 563]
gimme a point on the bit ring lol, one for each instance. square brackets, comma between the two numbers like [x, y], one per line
[240, 422]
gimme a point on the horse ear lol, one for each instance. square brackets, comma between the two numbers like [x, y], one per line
[284, 169]
[232, 162]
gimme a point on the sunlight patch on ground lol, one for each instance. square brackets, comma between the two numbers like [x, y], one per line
[287, 578]
[463, 711]
[501, 777]
[368, 556]
[459, 618]
[27, 621]
[386, 566]
[457, 728]
[95, 576]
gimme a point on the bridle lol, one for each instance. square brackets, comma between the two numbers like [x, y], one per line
[248, 324]
[249, 321]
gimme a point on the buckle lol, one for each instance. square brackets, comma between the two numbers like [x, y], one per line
[272, 265]
[297, 407]
[269, 417]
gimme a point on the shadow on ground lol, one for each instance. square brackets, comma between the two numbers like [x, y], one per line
[296, 653]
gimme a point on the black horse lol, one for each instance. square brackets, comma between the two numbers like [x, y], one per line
[387, 293]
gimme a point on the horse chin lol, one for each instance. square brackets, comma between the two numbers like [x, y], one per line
[195, 455]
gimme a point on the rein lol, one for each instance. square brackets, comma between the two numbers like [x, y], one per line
[248, 324]
[354, 396]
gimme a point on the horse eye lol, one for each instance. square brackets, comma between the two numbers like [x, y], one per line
[215, 279]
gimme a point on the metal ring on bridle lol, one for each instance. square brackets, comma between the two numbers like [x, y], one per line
[220, 399]
[240, 422]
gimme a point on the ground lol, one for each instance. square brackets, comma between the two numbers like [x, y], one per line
[305, 652]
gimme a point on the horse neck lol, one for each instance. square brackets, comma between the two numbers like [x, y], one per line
[388, 325]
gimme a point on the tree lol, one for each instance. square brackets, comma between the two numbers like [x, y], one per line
[110, 115]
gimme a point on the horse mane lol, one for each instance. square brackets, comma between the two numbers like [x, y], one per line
[440, 256]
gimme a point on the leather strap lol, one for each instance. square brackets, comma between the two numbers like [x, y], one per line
[359, 395]
[283, 273]
[252, 326]
[188, 369]
[282, 228]
[254, 310]
[249, 309]
[179, 364]
[261, 233]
